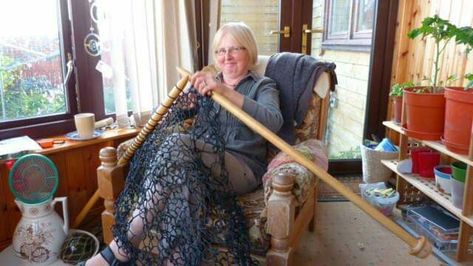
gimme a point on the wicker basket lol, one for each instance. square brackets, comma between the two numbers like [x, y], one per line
[373, 169]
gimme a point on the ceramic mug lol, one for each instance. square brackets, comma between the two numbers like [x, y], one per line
[85, 125]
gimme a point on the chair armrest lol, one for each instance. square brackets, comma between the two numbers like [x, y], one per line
[122, 147]
[303, 179]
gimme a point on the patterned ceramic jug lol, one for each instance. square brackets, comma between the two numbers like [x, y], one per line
[41, 231]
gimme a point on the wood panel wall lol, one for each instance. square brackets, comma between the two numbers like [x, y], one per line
[77, 169]
[413, 59]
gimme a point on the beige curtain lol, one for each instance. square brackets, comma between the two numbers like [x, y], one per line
[175, 30]
[144, 41]
[214, 24]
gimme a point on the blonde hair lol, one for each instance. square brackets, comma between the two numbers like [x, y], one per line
[240, 33]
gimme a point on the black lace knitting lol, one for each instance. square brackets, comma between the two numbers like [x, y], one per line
[169, 187]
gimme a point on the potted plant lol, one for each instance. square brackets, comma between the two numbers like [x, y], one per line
[396, 94]
[459, 104]
[425, 106]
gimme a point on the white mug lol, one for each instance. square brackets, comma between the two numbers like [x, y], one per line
[85, 125]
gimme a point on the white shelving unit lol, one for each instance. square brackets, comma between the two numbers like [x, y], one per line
[428, 188]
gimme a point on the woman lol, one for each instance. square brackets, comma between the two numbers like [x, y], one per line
[235, 53]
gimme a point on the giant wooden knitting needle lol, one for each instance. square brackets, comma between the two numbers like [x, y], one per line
[138, 140]
[419, 247]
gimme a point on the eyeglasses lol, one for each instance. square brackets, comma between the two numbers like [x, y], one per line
[231, 50]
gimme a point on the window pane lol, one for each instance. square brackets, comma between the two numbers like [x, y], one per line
[344, 131]
[340, 16]
[261, 16]
[365, 15]
[31, 82]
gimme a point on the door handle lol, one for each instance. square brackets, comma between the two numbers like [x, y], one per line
[318, 30]
[286, 32]
[306, 31]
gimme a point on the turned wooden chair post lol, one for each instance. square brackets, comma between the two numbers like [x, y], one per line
[110, 183]
[281, 215]
[314, 217]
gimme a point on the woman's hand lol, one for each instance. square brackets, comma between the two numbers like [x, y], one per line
[205, 83]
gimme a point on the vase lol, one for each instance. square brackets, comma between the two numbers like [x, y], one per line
[41, 231]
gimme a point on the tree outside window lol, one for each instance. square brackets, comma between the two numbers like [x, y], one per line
[35, 45]
[31, 82]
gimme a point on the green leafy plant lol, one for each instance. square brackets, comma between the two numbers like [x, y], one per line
[352, 153]
[464, 36]
[469, 85]
[398, 88]
[22, 97]
[441, 31]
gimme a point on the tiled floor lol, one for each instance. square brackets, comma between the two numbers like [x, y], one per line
[345, 235]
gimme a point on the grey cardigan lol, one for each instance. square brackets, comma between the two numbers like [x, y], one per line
[262, 103]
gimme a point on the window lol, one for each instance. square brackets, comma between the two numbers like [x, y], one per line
[349, 24]
[35, 47]
[31, 84]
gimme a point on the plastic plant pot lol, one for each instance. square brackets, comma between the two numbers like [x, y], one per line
[415, 158]
[458, 188]
[427, 162]
[443, 174]
[459, 171]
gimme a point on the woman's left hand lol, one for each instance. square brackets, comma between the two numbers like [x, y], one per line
[205, 83]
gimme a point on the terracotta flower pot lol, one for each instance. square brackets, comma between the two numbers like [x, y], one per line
[425, 113]
[458, 119]
[397, 109]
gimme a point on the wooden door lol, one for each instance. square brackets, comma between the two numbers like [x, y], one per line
[357, 35]
[277, 24]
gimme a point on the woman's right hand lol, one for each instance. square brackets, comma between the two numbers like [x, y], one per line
[205, 83]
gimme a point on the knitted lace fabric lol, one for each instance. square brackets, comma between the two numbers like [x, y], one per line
[164, 213]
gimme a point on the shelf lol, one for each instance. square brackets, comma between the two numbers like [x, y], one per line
[436, 145]
[447, 257]
[428, 187]
[394, 126]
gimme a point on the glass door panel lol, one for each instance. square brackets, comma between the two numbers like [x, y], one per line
[351, 53]
[345, 40]
[261, 16]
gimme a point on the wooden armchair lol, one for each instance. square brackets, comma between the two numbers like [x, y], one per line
[278, 212]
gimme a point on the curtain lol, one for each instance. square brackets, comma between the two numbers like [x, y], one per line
[143, 41]
[214, 25]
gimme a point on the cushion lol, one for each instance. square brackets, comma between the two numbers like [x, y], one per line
[261, 64]
[315, 151]
[310, 126]
[253, 207]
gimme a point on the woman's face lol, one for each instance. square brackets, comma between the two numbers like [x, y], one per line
[232, 59]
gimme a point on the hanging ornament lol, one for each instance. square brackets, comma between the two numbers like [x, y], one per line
[96, 13]
[92, 43]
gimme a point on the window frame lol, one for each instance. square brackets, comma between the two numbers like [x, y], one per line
[84, 92]
[351, 40]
